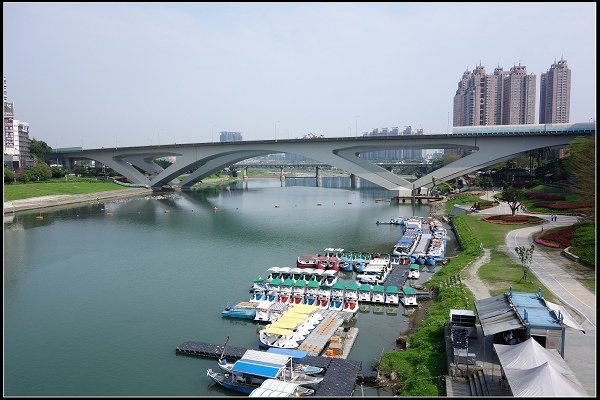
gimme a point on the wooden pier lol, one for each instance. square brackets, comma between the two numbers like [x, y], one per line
[413, 199]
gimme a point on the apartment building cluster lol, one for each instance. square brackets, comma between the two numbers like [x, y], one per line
[16, 138]
[509, 97]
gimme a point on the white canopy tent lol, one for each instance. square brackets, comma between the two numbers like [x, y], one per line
[532, 370]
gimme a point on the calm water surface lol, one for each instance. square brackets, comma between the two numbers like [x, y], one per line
[95, 304]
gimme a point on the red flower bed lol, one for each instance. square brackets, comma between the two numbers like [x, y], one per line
[562, 237]
[514, 219]
[546, 243]
[572, 205]
[544, 196]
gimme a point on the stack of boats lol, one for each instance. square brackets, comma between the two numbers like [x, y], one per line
[277, 372]
[423, 241]
[291, 328]
[410, 237]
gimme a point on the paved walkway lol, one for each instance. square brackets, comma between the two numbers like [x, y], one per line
[551, 268]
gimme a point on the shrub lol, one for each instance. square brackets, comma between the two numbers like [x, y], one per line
[544, 196]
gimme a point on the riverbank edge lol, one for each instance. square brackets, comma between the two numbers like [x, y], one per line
[45, 202]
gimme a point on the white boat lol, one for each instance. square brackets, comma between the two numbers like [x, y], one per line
[256, 366]
[312, 293]
[410, 296]
[351, 297]
[296, 274]
[336, 302]
[291, 328]
[277, 388]
[329, 277]
[391, 295]
[298, 290]
[324, 295]
[258, 294]
[414, 271]
[267, 311]
[285, 291]
[364, 293]
[378, 294]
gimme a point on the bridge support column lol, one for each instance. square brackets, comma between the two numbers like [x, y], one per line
[245, 173]
[281, 175]
[318, 181]
[354, 182]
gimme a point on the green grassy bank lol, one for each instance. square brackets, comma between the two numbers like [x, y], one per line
[20, 191]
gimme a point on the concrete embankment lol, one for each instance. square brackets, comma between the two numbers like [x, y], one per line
[43, 202]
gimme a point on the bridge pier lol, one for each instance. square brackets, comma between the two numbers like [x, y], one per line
[245, 173]
[318, 180]
[354, 182]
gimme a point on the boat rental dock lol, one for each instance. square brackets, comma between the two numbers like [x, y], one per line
[340, 374]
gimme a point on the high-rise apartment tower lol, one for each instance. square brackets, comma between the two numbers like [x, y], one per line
[555, 94]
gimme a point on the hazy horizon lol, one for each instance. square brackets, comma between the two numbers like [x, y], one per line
[134, 74]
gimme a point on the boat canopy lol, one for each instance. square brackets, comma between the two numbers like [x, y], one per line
[261, 392]
[379, 261]
[413, 267]
[391, 289]
[260, 279]
[287, 323]
[365, 287]
[304, 308]
[378, 288]
[409, 291]
[352, 286]
[278, 331]
[287, 282]
[300, 283]
[331, 272]
[273, 357]
[285, 389]
[313, 284]
[296, 355]
[339, 285]
[258, 368]
[275, 282]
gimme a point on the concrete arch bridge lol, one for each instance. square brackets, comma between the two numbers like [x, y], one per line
[488, 145]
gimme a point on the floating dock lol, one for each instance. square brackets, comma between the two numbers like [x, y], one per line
[339, 379]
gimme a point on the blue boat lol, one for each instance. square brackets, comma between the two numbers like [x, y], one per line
[243, 310]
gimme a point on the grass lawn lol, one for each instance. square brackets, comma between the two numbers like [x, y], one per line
[28, 190]
[502, 272]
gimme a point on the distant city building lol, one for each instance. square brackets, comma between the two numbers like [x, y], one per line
[16, 137]
[555, 94]
[17, 155]
[230, 137]
[394, 154]
[503, 98]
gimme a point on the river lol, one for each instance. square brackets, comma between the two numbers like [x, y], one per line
[97, 297]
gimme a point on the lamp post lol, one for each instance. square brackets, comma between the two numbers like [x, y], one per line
[356, 127]
[276, 130]
[212, 134]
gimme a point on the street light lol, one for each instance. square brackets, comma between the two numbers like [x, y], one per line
[276, 130]
[212, 134]
[356, 126]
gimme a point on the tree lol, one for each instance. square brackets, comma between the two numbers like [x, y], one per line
[39, 172]
[483, 181]
[9, 176]
[513, 196]
[581, 162]
[39, 150]
[526, 256]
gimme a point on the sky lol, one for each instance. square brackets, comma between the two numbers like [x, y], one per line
[136, 74]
